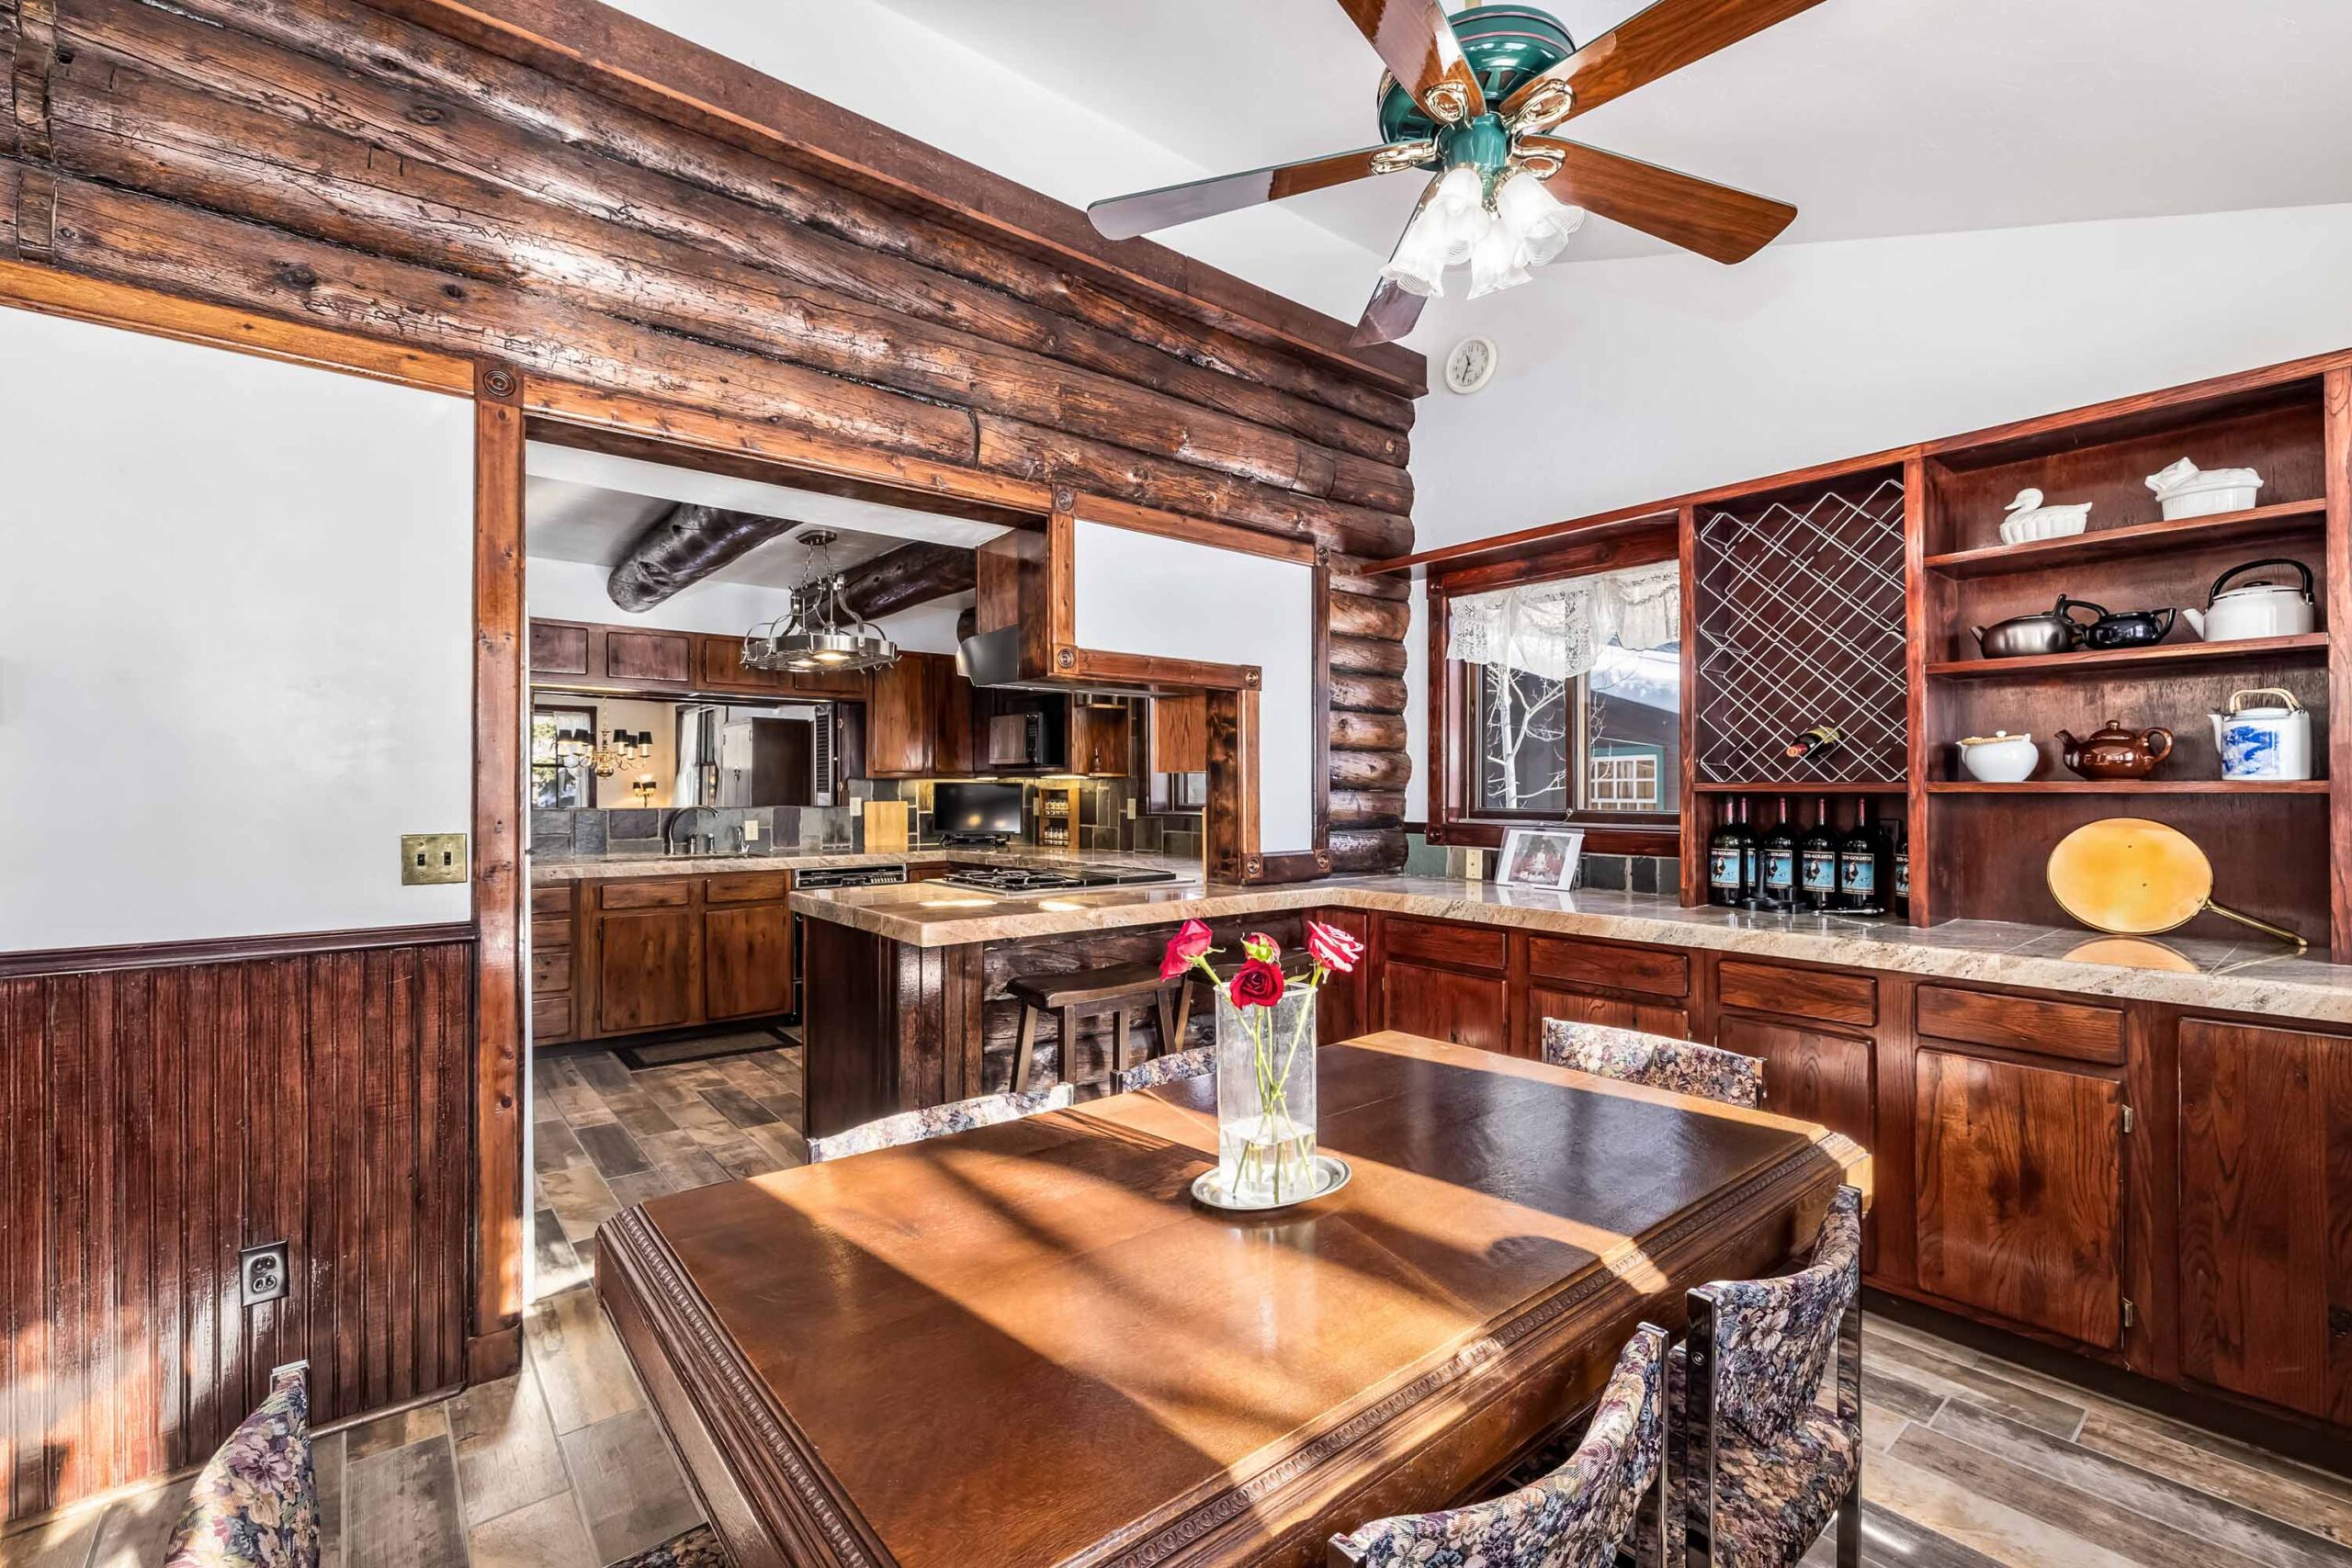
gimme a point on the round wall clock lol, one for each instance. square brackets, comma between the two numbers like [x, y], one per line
[1471, 365]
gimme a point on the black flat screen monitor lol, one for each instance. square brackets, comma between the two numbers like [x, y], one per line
[976, 808]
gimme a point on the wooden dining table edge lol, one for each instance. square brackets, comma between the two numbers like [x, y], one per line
[768, 1500]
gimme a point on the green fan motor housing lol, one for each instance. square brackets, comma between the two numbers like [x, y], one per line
[1505, 45]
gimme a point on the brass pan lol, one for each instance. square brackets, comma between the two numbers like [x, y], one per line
[2129, 877]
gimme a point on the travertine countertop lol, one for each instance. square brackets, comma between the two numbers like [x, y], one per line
[2254, 977]
[589, 868]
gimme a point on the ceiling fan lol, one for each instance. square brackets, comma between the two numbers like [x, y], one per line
[1473, 97]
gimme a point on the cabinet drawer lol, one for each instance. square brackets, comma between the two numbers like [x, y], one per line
[1609, 964]
[668, 893]
[550, 1019]
[547, 935]
[1435, 941]
[550, 971]
[1802, 993]
[746, 887]
[2020, 1024]
[555, 899]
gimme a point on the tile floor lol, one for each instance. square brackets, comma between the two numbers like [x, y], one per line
[1971, 1461]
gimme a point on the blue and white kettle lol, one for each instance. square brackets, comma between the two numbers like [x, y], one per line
[2269, 740]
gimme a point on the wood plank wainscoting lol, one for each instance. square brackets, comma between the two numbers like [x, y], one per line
[164, 1114]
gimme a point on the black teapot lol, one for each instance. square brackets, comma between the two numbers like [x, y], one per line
[2127, 629]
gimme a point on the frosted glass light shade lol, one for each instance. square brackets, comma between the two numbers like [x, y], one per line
[1497, 261]
[1539, 220]
[1419, 266]
[1457, 213]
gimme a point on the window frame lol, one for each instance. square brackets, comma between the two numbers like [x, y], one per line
[531, 769]
[1452, 729]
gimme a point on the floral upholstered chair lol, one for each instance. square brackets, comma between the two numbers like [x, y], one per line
[256, 1504]
[1658, 1061]
[1199, 1062]
[696, 1547]
[1574, 1516]
[935, 1120]
[1756, 1467]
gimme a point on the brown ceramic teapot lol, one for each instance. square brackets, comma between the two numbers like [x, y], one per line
[2112, 751]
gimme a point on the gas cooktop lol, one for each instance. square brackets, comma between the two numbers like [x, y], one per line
[1038, 879]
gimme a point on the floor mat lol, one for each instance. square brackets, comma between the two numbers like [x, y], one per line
[703, 1047]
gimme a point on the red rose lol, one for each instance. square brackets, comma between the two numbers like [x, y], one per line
[1191, 941]
[1257, 983]
[1261, 946]
[1333, 948]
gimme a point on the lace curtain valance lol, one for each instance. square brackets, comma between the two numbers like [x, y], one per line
[1556, 630]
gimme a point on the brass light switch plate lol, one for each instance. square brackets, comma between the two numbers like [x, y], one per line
[428, 858]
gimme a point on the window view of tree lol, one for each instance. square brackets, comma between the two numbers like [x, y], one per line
[556, 784]
[1609, 740]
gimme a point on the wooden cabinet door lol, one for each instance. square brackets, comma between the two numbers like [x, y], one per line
[1340, 1009]
[2020, 1175]
[649, 969]
[746, 960]
[660, 658]
[1583, 1007]
[1445, 1004]
[898, 721]
[955, 745]
[1811, 1074]
[559, 648]
[1180, 735]
[2266, 1214]
[1098, 739]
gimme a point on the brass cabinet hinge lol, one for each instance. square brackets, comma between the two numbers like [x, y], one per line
[2128, 1314]
[2127, 1118]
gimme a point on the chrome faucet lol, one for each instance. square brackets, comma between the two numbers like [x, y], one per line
[696, 843]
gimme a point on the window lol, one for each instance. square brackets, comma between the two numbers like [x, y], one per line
[1562, 703]
[556, 784]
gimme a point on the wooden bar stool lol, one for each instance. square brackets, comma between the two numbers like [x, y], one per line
[1084, 993]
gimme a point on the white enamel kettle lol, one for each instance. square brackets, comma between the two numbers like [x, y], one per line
[2264, 740]
[2255, 609]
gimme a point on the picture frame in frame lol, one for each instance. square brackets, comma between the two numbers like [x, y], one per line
[1540, 857]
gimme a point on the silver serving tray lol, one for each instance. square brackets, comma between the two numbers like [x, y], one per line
[1335, 1172]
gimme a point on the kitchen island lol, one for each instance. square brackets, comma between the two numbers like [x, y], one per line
[2139, 1151]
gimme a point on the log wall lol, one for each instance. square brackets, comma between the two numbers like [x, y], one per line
[321, 160]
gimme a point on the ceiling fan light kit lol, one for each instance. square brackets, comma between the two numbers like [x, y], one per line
[1474, 95]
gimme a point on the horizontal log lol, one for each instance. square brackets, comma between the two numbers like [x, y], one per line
[1061, 457]
[1367, 807]
[1348, 577]
[9, 181]
[122, 123]
[8, 32]
[105, 233]
[1367, 656]
[1367, 849]
[911, 575]
[1368, 731]
[1353, 614]
[377, 46]
[1367, 694]
[1371, 769]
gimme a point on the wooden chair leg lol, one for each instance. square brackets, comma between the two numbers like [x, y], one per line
[1849, 1522]
[1164, 1009]
[1123, 1056]
[1183, 1013]
[1024, 1055]
[1069, 1050]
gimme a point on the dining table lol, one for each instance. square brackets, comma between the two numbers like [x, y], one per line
[1029, 1344]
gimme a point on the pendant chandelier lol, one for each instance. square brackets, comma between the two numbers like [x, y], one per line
[578, 748]
[819, 632]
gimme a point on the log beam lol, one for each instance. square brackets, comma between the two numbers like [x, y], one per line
[910, 575]
[684, 545]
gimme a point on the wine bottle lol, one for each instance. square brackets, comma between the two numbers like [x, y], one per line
[1727, 849]
[1776, 884]
[1814, 741]
[1817, 863]
[1751, 864]
[1902, 867]
[1858, 856]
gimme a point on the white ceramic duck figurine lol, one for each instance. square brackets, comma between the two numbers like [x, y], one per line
[2029, 519]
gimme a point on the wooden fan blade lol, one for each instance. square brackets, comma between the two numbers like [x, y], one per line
[1665, 37]
[1716, 221]
[1123, 217]
[1416, 43]
[1389, 315]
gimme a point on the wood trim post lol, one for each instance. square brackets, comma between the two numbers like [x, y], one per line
[1698, 812]
[2337, 456]
[494, 1343]
[1319, 670]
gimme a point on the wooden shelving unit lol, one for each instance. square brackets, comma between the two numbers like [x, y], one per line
[2097, 544]
[2131, 786]
[2164, 655]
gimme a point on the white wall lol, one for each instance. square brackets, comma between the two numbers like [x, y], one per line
[1624, 381]
[575, 591]
[263, 566]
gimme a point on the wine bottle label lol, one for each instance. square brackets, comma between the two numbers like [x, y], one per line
[1723, 868]
[1903, 874]
[1857, 872]
[1820, 868]
[1748, 868]
[1779, 870]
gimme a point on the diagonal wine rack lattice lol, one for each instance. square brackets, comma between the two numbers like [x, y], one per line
[1801, 623]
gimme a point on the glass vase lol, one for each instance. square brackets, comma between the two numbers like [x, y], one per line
[1265, 1100]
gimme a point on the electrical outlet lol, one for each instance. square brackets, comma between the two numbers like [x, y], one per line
[262, 1273]
[429, 858]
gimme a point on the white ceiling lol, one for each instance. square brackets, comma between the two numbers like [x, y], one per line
[1874, 116]
[588, 506]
